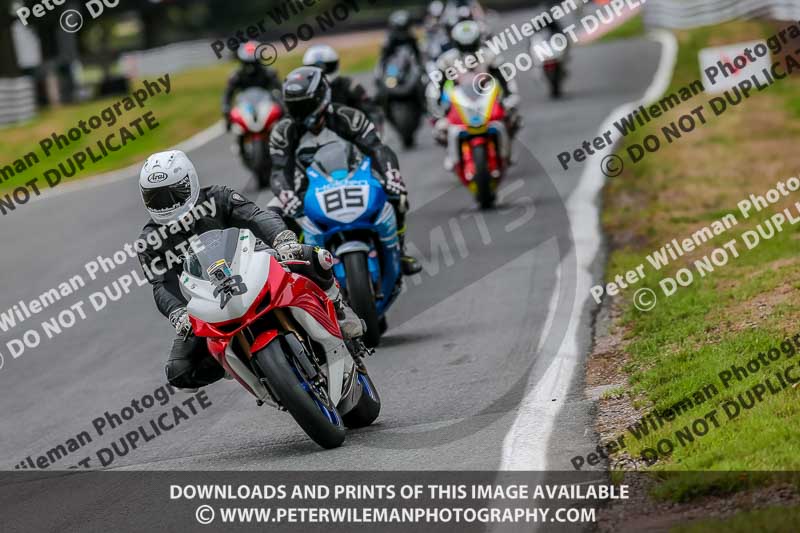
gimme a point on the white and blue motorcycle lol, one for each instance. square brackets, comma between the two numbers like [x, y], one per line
[347, 212]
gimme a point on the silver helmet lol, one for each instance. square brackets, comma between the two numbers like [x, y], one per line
[169, 186]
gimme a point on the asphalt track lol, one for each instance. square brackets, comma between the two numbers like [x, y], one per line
[453, 365]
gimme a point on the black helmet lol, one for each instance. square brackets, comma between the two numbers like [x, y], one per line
[307, 95]
[400, 21]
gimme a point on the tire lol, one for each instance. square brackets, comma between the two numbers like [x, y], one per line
[483, 180]
[405, 119]
[362, 295]
[261, 164]
[300, 403]
[555, 82]
[368, 407]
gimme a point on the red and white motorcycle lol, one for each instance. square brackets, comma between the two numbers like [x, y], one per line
[277, 334]
[550, 64]
[254, 114]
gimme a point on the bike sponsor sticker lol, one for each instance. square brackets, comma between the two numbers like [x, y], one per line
[219, 272]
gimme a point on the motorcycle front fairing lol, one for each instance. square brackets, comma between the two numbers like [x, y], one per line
[256, 286]
[476, 118]
[254, 112]
[340, 209]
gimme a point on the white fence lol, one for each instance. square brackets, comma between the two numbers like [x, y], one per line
[17, 99]
[682, 14]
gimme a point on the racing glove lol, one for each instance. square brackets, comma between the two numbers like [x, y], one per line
[292, 206]
[394, 184]
[179, 319]
[286, 245]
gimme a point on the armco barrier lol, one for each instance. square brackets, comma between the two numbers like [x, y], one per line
[683, 14]
[17, 99]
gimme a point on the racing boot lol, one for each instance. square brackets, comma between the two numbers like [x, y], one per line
[349, 323]
[408, 264]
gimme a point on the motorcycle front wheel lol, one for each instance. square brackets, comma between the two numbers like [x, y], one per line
[362, 295]
[483, 180]
[312, 410]
[555, 78]
[368, 407]
[262, 164]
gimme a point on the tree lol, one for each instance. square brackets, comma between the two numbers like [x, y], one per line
[8, 53]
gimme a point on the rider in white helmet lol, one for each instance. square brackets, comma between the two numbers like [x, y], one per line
[467, 37]
[171, 193]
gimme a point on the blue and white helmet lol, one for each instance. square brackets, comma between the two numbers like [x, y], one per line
[169, 186]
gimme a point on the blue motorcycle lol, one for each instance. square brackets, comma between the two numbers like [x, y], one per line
[347, 212]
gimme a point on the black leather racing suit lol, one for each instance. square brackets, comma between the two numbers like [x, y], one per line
[395, 40]
[347, 92]
[351, 125]
[250, 75]
[189, 364]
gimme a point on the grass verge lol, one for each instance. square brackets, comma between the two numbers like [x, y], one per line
[774, 519]
[728, 316]
[633, 27]
[194, 103]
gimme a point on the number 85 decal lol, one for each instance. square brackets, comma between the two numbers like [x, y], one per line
[343, 197]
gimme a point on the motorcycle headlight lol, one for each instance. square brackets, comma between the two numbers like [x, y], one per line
[391, 82]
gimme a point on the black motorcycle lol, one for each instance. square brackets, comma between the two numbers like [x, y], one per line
[400, 89]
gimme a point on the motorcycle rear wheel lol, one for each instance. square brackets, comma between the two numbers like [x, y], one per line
[314, 414]
[362, 295]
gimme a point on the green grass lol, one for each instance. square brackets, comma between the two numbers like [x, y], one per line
[633, 27]
[732, 314]
[194, 103]
[770, 520]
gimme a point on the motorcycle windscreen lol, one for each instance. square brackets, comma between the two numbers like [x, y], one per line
[334, 159]
[212, 255]
[254, 105]
[473, 103]
[345, 198]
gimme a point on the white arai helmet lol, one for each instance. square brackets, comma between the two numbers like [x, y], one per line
[324, 57]
[169, 186]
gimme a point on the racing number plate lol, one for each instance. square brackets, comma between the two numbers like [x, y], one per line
[226, 286]
[344, 202]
